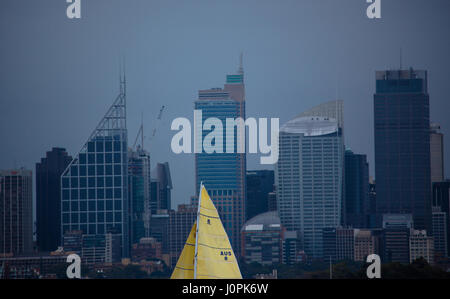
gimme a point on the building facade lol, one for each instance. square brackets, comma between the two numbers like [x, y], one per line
[94, 187]
[262, 239]
[441, 202]
[139, 194]
[356, 190]
[402, 145]
[161, 187]
[309, 179]
[421, 246]
[259, 185]
[436, 153]
[223, 174]
[16, 212]
[48, 198]
[395, 237]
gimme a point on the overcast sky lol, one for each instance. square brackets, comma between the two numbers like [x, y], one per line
[58, 76]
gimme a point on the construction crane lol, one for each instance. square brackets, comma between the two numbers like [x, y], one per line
[141, 128]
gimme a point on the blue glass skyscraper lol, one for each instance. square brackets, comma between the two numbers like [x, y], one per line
[224, 174]
[94, 186]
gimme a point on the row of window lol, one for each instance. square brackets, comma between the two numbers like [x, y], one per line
[97, 193]
[93, 229]
[84, 218]
[91, 205]
[92, 182]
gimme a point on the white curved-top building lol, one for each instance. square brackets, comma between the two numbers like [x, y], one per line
[309, 177]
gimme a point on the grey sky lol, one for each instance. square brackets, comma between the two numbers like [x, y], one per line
[58, 76]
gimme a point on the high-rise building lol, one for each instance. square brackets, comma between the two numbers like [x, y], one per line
[16, 211]
[421, 246]
[262, 239]
[402, 145]
[161, 186]
[259, 185]
[48, 198]
[441, 201]
[440, 232]
[139, 194]
[356, 190]
[436, 153]
[223, 174]
[94, 187]
[309, 179]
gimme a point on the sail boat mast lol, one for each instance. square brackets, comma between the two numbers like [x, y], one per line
[196, 230]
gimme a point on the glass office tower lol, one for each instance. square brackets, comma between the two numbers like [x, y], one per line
[224, 174]
[94, 186]
[402, 145]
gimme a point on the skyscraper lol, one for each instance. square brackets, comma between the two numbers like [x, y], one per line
[139, 193]
[308, 178]
[48, 198]
[224, 174]
[259, 185]
[16, 211]
[356, 190]
[161, 197]
[436, 153]
[94, 187]
[402, 145]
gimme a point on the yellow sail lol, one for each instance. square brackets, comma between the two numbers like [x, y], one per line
[185, 264]
[208, 252]
[215, 257]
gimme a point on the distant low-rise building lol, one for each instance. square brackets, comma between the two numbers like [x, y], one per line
[262, 238]
[421, 246]
[147, 249]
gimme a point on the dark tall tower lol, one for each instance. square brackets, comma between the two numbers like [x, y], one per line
[259, 185]
[356, 190]
[402, 145]
[48, 198]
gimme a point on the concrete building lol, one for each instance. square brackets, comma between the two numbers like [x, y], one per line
[309, 179]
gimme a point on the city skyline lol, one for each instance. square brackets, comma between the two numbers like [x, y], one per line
[295, 74]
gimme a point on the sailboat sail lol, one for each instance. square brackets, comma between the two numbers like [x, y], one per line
[212, 255]
[185, 265]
